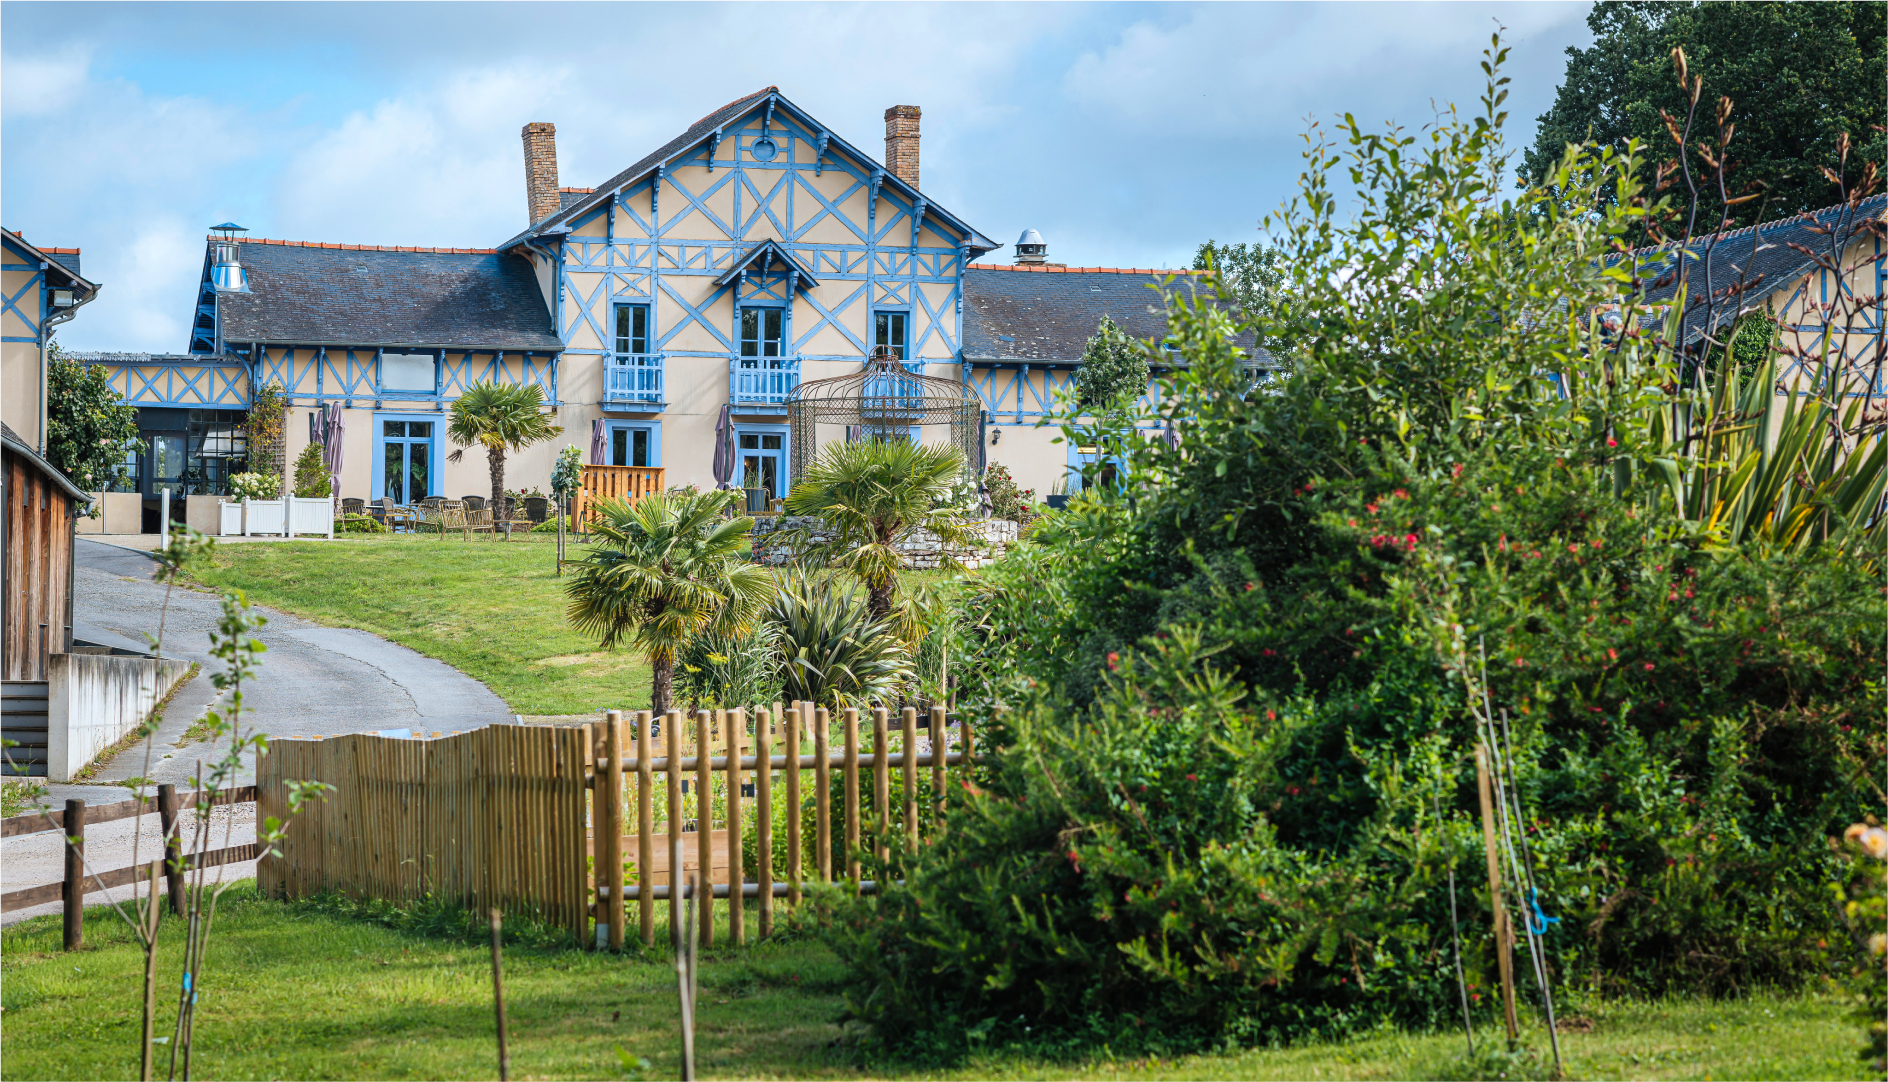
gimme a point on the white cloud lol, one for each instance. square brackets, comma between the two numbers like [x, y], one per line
[36, 85]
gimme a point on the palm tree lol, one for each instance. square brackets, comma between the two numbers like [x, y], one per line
[500, 417]
[872, 492]
[664, 569]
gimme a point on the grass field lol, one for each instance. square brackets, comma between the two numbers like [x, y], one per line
[304, 991]
[491, 609]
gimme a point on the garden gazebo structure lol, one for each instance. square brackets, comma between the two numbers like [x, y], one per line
[885, 400]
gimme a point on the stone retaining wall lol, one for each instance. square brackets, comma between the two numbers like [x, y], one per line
[920, 549]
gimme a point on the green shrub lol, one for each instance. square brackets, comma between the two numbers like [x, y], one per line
[311, 473]
[359, 524]
[832, 652]
[1006, 499]
[255, 486]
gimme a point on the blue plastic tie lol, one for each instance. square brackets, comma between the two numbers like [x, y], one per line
[186, 982]
[1537, 921]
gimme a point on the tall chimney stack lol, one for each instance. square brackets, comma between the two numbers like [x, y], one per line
[540, 170]
[901, 142]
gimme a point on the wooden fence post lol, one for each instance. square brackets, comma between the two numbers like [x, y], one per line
[737, 905]
[73, 892]
[823, 793]
[613, 797]
[173, 847]
[852, 793]
[881, 783]
[764, 815]
[673, 724]
[645, 829]
[705, 821]
[910, 778]
[795, 725]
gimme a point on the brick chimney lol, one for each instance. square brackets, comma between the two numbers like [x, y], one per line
[540, 170]
[901, 142]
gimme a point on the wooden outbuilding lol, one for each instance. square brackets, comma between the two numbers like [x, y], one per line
[36, 532]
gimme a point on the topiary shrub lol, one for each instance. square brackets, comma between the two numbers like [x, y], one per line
[312, 480]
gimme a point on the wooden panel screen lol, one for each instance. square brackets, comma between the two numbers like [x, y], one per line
[630, 483]
[496, 817]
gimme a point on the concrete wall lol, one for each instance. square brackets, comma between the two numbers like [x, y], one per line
[93, 700]
[115, 512]
[201, 513]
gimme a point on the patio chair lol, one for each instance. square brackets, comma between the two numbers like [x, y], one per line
[478, 522]
[353, 506]
[537, 509]
[474, 503]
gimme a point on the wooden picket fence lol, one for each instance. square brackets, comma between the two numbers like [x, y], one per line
[515, 817]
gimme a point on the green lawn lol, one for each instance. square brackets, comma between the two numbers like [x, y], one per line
[491, 609]
[299, 991]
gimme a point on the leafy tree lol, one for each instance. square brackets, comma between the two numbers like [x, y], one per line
[311, 472]
[662, 570]
[499, 417]
[1255, 279]
[88, 423]
[1113, 370]
[1801, 75]
[870, 493]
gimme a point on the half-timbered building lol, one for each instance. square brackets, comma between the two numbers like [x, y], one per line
[671, 307]
[40, 288]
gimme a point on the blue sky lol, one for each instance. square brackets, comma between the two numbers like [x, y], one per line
[1125, 133]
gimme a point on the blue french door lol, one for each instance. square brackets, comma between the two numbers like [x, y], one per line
[406, 468]
[762, 453]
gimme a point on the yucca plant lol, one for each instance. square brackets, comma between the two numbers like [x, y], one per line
[1790, 471]
[662, 570]
[832, 650]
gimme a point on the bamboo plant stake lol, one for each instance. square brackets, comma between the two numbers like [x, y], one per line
[673, 728]
[685, 977]
[737, 904]
[795, 725]
[822, 794]
[851, 723]
[498, 1001]
[1504, 935]
[910, 778]
[764, 815]
[881, 782]
[613, 792]
[705, 822]
[645, 829]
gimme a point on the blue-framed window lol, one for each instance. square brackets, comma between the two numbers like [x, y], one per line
[632, 328]
[888, 332]
[632, 443]
[763, 335]
[1102, 470]
[406, 456]
[762, 451]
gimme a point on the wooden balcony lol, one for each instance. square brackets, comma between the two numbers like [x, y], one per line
[630, 483]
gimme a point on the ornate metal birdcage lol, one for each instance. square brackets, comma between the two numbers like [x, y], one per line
[885, 400]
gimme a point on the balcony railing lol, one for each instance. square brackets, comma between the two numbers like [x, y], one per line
[633, 379]
[762, 381]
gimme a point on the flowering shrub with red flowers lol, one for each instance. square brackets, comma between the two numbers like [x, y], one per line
[1461, 491]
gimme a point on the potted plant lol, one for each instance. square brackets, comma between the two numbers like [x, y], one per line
[756, 495]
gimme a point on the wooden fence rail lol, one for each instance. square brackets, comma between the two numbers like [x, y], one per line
[576, 823]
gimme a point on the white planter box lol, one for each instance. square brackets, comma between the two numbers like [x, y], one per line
[312, 515]
[229, 521]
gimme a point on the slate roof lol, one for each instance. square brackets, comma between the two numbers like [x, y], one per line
[1046, 315]
[695, 133]
[1760, 255]
[311, 294]
[66, 259]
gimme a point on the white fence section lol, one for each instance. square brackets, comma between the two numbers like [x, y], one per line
[311, 515]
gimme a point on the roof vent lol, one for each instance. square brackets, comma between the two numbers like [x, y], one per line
[1030, 248]
[226, 273]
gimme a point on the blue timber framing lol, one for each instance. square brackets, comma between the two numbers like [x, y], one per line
[177, 381]
[767, 199]
[316, 374]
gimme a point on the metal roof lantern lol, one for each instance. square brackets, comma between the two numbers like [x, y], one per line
[226, 273]
[1031, 248]
[885, 400]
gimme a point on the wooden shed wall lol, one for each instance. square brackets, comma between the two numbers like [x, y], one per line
[38, 563]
